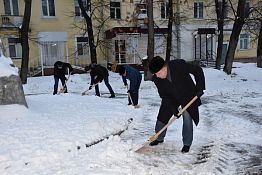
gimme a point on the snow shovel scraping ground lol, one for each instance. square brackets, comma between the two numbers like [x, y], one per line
[62, 90]
[86, 91]
[142, 148]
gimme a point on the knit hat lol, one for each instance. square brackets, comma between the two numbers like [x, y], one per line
[87, 68]
[59, 64]
[156, 64]
[121, 70]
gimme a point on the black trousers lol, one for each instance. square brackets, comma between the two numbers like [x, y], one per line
[133, 98]
[107, 85]
[56, 84]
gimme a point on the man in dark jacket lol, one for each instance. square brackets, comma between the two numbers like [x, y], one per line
[98, 74]
[176, 87]
[135, 77]
[60, 69]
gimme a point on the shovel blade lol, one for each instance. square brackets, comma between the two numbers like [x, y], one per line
[143, 147]
[142, 150]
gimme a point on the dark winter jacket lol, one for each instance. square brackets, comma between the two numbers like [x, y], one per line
[60, 69]
[134, 76]
[98, 73]
[181, 90]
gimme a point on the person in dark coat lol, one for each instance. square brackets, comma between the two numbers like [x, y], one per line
[60, 69]
[135, 77]
[176, 87]
[98, 74]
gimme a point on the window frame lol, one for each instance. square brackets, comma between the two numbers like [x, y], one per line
[48, 9]
[141, 10]
[13, 10]
[115, 11]
[244, 43]
[77, 8]
[159, 44]
[16, 44]
[84, 47]
[164, 14]
[198, 12]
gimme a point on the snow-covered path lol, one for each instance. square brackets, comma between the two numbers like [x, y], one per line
[44, 139]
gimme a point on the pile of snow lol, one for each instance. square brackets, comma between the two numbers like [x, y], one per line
[7, 67]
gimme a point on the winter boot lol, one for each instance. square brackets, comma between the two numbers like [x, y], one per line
[112, 96]
[156, 142]
[185, 149]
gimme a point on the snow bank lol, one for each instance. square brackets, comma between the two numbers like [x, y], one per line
[7, 67]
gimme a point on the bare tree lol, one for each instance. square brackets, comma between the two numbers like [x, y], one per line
[254, 26]
[150, 45]
[24, 41]
[86, 12]
[169, 28]
[259, 47]
[220, 11]
[239, 21]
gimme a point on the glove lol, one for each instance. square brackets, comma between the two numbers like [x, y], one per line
[128, 91]
[199, 93]
[90, 87]
[125, 84]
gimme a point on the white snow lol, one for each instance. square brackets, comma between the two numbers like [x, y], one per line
[5, 66]
[50, 136]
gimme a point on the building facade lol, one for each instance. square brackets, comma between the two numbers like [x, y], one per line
[57, 31]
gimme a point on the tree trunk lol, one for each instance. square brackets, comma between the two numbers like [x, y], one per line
[86, 12]
[237, 27]
[24, 41]
[177, 23]
[150, 45]
[220, 9]
[169, 32]
[259, 47]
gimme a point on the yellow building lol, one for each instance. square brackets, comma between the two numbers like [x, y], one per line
[57, 31]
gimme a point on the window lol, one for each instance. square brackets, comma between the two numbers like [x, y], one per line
[120, 51]
[15, 48]
[141, 11]
[115, 11]
[48, 7]
[164, 10]
[198, 9]
[82, 46]
[244, 41]
[132, 46]
[77, 8]
[11, 7]
[159, 44]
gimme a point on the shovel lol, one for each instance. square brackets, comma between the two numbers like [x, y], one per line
[129, 96]
[84, 93]
[62, 90]
[142, 148]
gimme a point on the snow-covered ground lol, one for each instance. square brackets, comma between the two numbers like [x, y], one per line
[52, 135]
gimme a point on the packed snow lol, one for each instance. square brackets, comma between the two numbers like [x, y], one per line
[73, 134]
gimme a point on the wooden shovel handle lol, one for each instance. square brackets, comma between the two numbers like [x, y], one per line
[154, 137]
